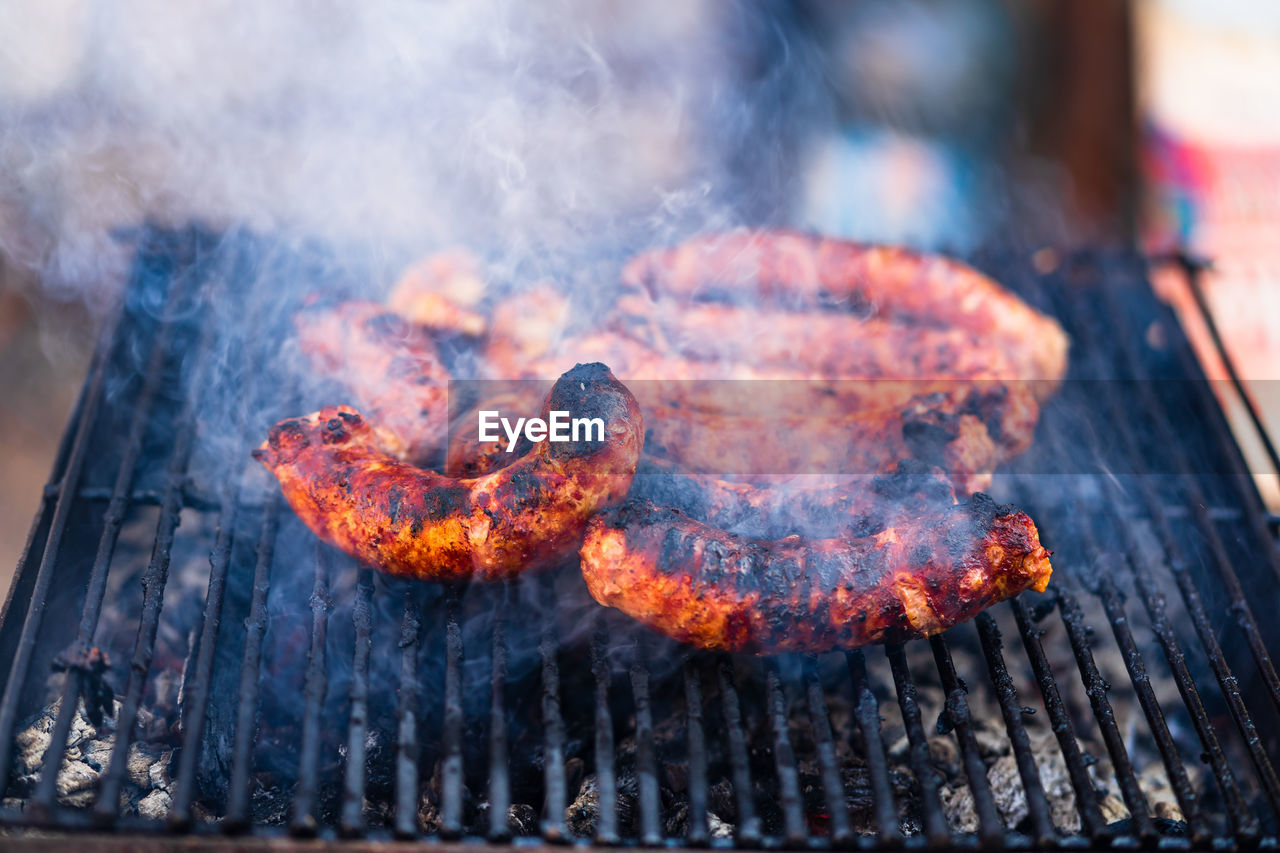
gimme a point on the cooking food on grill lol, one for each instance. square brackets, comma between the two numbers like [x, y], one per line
[931, 568]
[407, 521]
[389, 366]
[792, 270]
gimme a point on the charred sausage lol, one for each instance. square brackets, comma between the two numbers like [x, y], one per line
[416, 523]
[789, 269]
[716, 590]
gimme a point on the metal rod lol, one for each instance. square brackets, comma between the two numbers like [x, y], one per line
[936, 831]
[20, 668]
[841, 832]
[1137, 556]
[1245, 823]
[113, 520]
[407, 752]
[316, 687]
[352, 823]
[154, 580]
[699, 833]
[606, 776]
[1193, 272]
[784, 759]
[1096, 688]
[1086, 796]
[451, 761]
[196, 697]
[1188, 801]
[748, 825]
[553, 826]
[1177, 565]
[646, 760]
[499, 772]
[237, 817]
[990, 826]
[866, 713]
[1011, 710]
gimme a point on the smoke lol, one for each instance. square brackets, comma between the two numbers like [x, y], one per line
[522, 130]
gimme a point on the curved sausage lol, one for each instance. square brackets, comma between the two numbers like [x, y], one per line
[716, 590]
[791, 269]
[416, 523]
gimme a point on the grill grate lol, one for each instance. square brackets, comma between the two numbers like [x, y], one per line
[317, 698]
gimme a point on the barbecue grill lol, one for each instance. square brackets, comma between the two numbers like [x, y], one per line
[224, 673]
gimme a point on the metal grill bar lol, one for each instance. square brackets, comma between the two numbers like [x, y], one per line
[451, 766]
[1086, 797]
[748, 824]
[317, 685]
[606, 778]
[197, 695]
[553, 827]
[1188, 802]
[1245, 823]
[936, 831]
[113, 520]
[828, 765]
[352, 822]
[867, 716]
[1106, 592]
[1193, 270]
[154, 580]
[237, 817]
[20, 669]
[1242, 820]
[1178, 566]
[1012, 711]
[499, 772]
[646, 760]
[1096, 688]
[699, 832]
[1135, 560]
[990, 826]
[784, 758]
[1194, 498]
[406, 817]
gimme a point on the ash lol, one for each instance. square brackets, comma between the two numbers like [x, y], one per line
[148, 788]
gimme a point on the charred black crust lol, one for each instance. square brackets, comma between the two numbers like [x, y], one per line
[519, 489]
[443, 501]
[291, 428]
[912, 479]
[589, 391]
[983, 510]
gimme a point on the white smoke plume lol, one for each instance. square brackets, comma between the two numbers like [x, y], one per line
[516, 128]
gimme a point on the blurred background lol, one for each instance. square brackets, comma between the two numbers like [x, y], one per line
[409, 127]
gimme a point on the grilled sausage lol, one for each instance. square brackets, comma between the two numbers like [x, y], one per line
[415, 523]
[833, 344]
[716, 590]
[801, 271]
